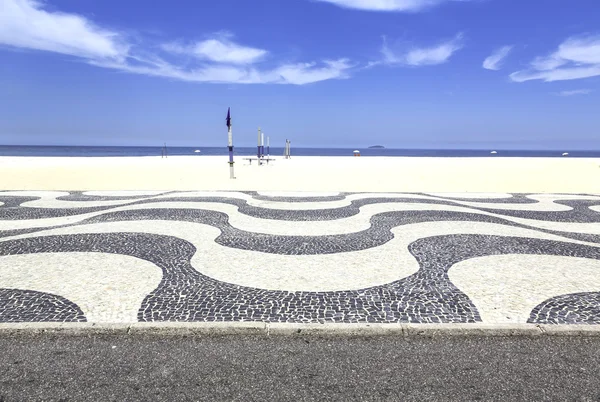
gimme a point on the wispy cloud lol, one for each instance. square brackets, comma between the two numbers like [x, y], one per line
[422, 56]
[574, 92]
[25, 24]
[219, 49]
[296, 74]
[388, 5]
[494, 62]
[576, 58]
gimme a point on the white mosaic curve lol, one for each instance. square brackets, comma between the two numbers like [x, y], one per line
[51, 201]
[54, 203]
[228, 194]
[293, 194]
[545, 203]
[327, 272]
[351, 224]
[472, 195]
[506, 288]
[109, 288]
[559, 196]
[317, 205]
[358, 222]
[124, 193]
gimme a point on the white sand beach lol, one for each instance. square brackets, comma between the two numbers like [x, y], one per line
[321, 174]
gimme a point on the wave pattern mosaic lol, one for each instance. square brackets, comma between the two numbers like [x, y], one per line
[122, 257]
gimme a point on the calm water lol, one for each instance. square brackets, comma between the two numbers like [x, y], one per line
[241, 151]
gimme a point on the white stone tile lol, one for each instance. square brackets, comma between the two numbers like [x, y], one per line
[109, 288]
[506, 288]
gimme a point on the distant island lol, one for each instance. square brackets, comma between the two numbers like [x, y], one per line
[376, 147]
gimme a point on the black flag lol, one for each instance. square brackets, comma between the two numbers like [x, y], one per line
[229, 118]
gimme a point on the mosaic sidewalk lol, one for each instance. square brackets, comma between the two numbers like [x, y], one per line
[124, 257]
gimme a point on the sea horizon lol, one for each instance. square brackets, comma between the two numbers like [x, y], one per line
[132, 150]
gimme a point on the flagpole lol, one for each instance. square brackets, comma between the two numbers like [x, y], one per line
[230, 144]
[258, 150]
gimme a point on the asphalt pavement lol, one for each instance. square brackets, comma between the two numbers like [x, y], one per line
[299, 368]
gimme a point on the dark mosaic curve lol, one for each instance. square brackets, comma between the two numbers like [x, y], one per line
[575, 308]
[308, 198]
[18, 305]
[514, 199]
[379, 232]
[580, 212]
[184, 294]
[80, 196]
[14, 201]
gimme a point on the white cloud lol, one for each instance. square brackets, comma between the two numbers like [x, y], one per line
[576, 58]
[575, 92]
[219, 49]
[305, 73]
[26, 24]
[494, 62]
[423, 56]
[388, 5]
[296, 74]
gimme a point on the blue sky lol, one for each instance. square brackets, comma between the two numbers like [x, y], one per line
[325, 73]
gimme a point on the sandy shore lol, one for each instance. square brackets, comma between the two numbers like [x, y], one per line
[325, 174]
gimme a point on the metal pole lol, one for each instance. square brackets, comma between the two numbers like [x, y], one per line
[230, 144]
[262, 145]
[268, 147]
[231, 162]
[258, 150]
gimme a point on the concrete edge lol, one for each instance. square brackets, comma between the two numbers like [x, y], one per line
[283, 329]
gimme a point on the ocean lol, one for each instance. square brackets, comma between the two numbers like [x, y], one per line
[97, 151]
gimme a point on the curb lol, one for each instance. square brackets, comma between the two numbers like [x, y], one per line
[283, 329]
